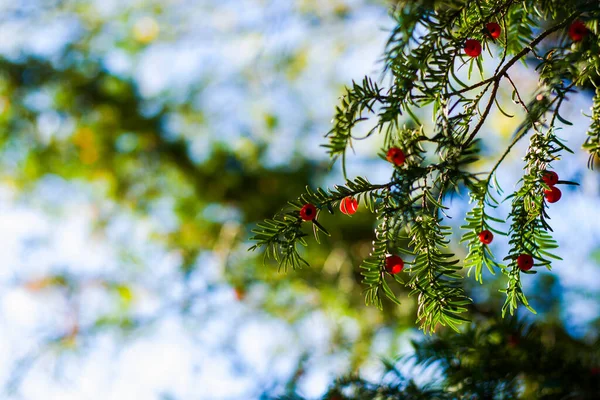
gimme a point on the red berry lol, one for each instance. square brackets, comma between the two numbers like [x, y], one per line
[494, 30]
[472, 48]
[524, 262]
[348, 205]
[394, 264]
[550, 178]
[395, 156]
[308, 212]
[240, 293]
[552, 195]
[577, 31]
[486, 237]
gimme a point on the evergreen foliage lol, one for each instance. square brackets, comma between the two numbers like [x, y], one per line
[493, 358]
[422, 61]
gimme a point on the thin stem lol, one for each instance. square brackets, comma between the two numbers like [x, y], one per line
[484, 115]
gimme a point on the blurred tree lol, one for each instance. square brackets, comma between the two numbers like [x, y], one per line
[76, 114]
[199, 168]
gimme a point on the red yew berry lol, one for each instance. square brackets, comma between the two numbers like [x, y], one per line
[577, 31]
[395, 156]
[240, 293]
[550, 178]
[494, 30]
[524, 262]
[308, 212]
[394, 264]
[552, 195]
[486, 237]
[348, 205]
[472, 48]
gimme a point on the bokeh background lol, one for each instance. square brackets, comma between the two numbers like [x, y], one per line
[141, 140]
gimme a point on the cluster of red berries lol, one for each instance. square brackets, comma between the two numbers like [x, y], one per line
[393, 264]
[577, 32]
[473, 47]
[524, 261]
[348, 206]
[552, 195]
